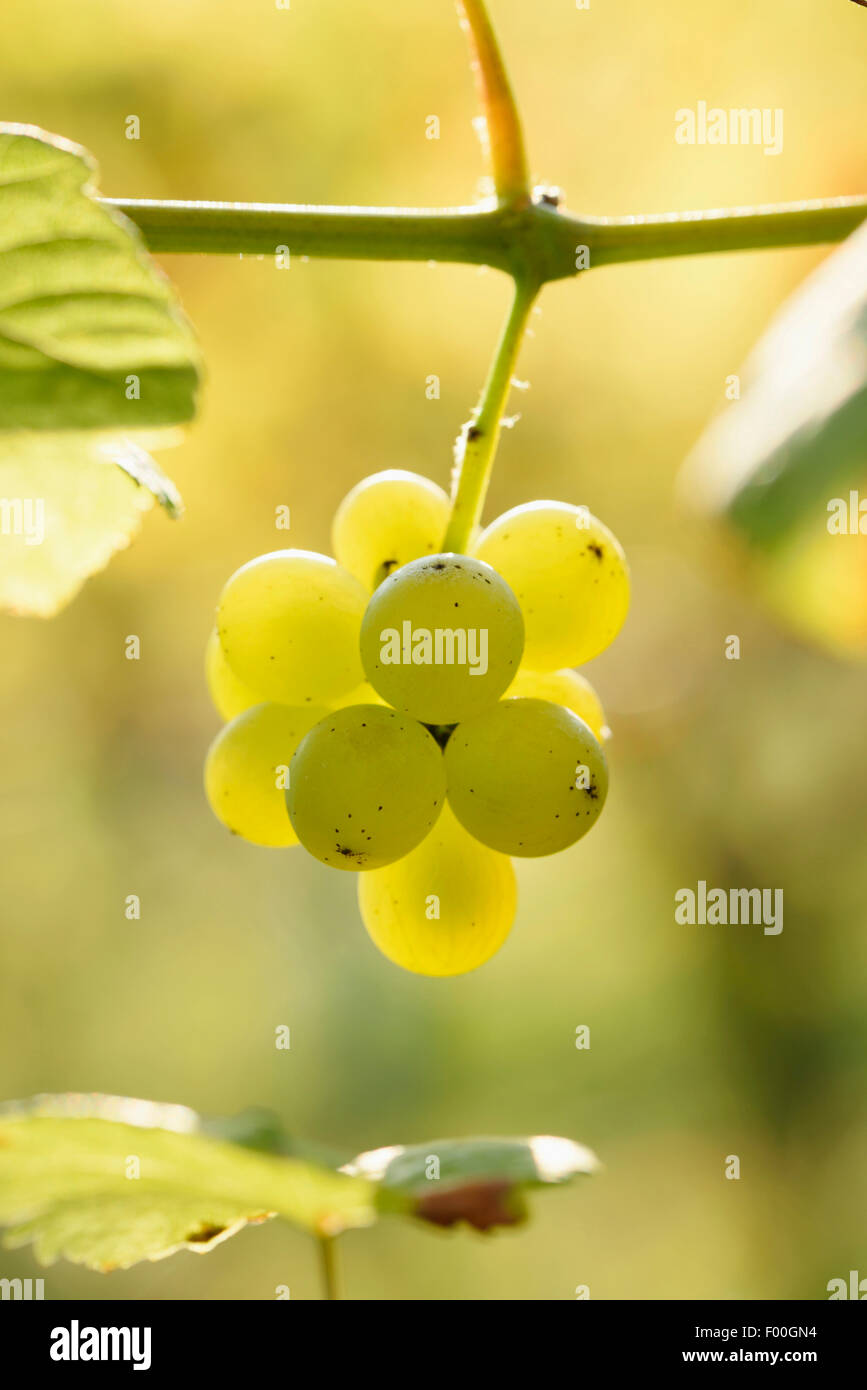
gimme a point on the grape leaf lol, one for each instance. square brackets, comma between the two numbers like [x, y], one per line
[782, 463]
[68, 501]
[95, 354]
[68, 1183]
[91, 334]
[480, 1181]
[796, 437]
[107, 1181]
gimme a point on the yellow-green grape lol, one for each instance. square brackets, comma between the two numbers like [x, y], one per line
[567, 688]
[442, 638]
[527, 778]
[365, 787]
[229, 694]
[570, 577]
[445, 908]
[288, 624]
[386, 521]
[246, 771]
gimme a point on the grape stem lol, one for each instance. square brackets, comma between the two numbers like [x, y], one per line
[477, 442]
[521, 231]
[328, 1265]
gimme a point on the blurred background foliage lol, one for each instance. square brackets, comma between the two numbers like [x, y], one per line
[705, 1041]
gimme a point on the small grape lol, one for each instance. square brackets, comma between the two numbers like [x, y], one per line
[230, 695]
[386, 521]
[527, 778]
[567, 688]
[365, 786]
[289, 624]
[442, 638]
[570, 577]
[445, 908]
[246, 770]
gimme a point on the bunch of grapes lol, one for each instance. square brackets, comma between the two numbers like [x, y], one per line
[415, 716]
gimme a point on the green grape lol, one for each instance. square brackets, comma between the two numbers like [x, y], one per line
[567, 688]
[246, 771]
[230, 695]
[365, 786]
[526, 778]
[386, 521]
[443, 909]
[442, 638]
[289, 624]
[570, 577]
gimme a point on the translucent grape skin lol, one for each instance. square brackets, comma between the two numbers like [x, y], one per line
[527, 778]
[243, 781]
[288, 624]
[366, 785]
[387, 520]
[443, 909]
[469, 665]
[230, 696]
[567, 688]
[570, 577]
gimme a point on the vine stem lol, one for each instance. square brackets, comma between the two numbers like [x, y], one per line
[500, 237]
[530, 238]
[658, 235]
[328, 1265]
[503, 124]
[477, 444]
[472, 235]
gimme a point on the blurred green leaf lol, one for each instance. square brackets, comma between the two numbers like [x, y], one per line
[67, 1183]
[106, 1181]
[83, 308]
[797, 437]
[92, 341]
[67, 503]
[480, 1181]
